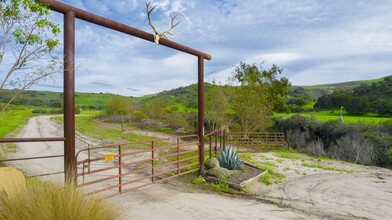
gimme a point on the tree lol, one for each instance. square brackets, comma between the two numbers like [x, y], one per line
[358, 105]
[216, 103]
[259, 93]
[28, 39]
[155, 109]
[118, 106]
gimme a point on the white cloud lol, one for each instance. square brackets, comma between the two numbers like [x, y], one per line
[280, 58]
[314, 41]
[349, 70]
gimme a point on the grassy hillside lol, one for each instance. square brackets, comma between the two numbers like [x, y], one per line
[186, 95]
[349, 84]
[182, 99]
[55, 99]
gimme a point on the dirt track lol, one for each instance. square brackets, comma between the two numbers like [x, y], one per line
[349, 192]
[43, 126]
[305, 193]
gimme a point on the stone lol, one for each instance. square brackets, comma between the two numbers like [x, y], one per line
[180, 130]
[211, 163]
[220, 173]
[12, 182]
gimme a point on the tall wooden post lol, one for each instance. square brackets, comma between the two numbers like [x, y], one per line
[200, 125]
[69, 97]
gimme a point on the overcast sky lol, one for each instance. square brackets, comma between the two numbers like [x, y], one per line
[315, 42]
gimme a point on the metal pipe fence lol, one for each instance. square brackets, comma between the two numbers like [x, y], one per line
[119, 168]
[26, 140]
[252, 141]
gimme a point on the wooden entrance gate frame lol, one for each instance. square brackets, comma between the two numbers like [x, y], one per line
[70, 14]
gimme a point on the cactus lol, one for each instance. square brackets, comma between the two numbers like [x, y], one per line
[229, 159]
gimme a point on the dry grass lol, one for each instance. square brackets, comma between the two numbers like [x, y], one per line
[47, 201]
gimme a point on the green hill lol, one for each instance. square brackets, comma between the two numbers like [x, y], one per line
[55, 99]
[349, 84]
[184, 98]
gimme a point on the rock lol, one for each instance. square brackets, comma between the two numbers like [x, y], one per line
[211, 163]
[220, 173]
[12, 182]
[180, 130]
[149, 123]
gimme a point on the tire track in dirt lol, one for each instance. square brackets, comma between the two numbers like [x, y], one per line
[338, 195]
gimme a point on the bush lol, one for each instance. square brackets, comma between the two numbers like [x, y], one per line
[53, 201]
[166, 129]
[39, 111]
[363, 144]
[198, 180]
[315, 148]
[138, 116]
[354, 148]
[296, 138]
[387, 158]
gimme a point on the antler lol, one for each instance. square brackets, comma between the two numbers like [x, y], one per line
[148, 15]
[171, 28]
[158, 35]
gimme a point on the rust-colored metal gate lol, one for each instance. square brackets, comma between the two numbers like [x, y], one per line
[70, 15]
[255, 141]
[119, 168]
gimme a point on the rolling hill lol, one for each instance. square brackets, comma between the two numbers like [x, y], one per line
[183, 96]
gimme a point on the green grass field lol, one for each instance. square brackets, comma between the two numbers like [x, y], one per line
[112, 131]
[12, 119]
[324, 116]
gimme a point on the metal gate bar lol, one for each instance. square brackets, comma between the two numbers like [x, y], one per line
[165, 159]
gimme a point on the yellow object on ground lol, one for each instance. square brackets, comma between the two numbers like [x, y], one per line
[12, 181]
[109, 157]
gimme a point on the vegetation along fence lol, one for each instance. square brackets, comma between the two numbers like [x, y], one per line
[254, 140]
[215, 141]
[121, 168]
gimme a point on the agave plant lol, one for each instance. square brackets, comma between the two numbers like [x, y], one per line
[229, 159]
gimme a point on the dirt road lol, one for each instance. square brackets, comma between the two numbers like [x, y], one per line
[168, 201]
[329, 188]
[43, 126]
[347, 191]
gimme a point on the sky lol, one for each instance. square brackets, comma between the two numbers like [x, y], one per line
[313, 41]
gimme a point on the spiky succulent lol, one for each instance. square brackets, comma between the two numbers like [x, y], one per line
[229, 159]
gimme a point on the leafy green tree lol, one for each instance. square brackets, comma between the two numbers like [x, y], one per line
[259, 93]
[118, 106]
[358, 105]
[334, 100]
[216, 105]
[137, 116]
[155, 109]
[28, 38]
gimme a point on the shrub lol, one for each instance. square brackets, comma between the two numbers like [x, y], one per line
[53, 201]
[229, 159]
[315, 148]
[138, 116]
[363, 144]
[221, 186]
[297, 138]
[198, 180]
[387, 157]
[39, 111]
[166, 129]
[356, 149]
